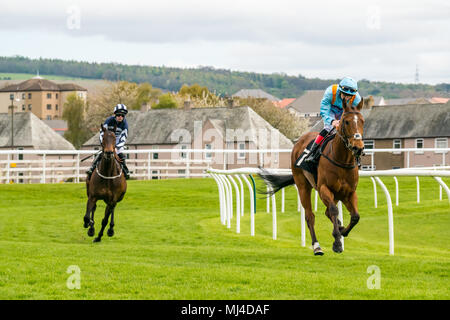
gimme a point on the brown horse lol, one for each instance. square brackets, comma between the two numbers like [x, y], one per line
[107, 183]
[337, 175]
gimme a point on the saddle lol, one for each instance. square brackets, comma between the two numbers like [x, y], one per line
[311, 167]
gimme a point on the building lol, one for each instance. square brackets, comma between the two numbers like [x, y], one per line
[42, 97]
[283, 102]
[30, 133]
[308, 104]
[216, 128]
[407, 126]
[254, 93]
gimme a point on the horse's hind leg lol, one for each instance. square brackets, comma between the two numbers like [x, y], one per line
[104, 223]
[352, 206]
[332, 212]
[304, 190]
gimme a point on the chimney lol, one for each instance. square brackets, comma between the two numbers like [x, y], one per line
[187, 105]
[230, 102]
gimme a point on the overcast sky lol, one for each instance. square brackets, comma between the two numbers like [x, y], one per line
[374, 40]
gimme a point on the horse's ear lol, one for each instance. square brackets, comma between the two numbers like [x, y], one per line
[360, 104]
[344, 105]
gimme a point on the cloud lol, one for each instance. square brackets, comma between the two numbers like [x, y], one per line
[373, 39]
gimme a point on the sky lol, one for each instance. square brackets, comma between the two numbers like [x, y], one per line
[376, 40]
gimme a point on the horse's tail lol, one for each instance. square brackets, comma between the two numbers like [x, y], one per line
[276, 182]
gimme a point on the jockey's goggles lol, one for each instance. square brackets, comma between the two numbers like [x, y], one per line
[348, 89]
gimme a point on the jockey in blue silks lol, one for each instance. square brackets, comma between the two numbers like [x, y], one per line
[331, 110]
[117, 120]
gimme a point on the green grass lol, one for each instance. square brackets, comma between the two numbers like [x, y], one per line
[170, 244]
[26, 76]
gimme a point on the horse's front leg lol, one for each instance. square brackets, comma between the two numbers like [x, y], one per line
[89, 216]
[332, 212]
[351, 203]
[110, 232]
[104, 223]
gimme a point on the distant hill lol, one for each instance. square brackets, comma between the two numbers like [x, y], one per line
[224, 82]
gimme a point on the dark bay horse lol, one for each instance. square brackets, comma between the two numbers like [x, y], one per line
[337, 175]
[107, 183]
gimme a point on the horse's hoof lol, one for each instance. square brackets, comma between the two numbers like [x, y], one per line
[318, 252]
[110, 232]
[337, 247]
[86, 222]
[91, 232]
[97, 240]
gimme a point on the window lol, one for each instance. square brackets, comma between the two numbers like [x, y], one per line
[369, 144]
[208, 155]
[23, 96]
[29, 107]
[397, 144]
[183, 154]
[29, 96]
[441, 143]
[155, 175]
[20, 175]
[241, 146]
[23, 107]
[368, 168]
[49, 95]
[56, 95]
[182, 172]
[20, 155]
[419, 145]
[49, 107]
[155, 155]
[56, 107]
[49, 117]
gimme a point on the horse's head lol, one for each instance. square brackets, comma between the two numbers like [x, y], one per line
[108, 142]
[352, 126]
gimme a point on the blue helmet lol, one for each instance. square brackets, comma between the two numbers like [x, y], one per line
[120, 108]
[348, 86]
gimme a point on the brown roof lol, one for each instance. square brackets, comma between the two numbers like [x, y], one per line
[308, 102]
[40, 84]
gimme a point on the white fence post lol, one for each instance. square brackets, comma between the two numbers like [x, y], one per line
[374, 192]
[390, 216]
[418, 190]
[396, 191]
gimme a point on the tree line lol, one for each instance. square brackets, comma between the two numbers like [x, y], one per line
[219, 81]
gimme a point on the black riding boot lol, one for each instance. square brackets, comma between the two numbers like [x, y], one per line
[126, 172]
[313, 153]
[94, 164]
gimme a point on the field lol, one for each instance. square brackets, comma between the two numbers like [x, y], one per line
[170, 244]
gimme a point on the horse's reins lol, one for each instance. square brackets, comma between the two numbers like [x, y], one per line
[347, 145]
[106, 177]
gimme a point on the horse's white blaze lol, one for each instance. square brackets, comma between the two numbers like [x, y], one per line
[357, 135]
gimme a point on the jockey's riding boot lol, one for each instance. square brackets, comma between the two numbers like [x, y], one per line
[126, 172]
[94, 164]
[313, 152]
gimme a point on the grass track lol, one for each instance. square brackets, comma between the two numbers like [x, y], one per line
[169, 244]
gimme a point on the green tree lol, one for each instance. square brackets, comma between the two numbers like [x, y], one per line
[166, 101]
[74, 110]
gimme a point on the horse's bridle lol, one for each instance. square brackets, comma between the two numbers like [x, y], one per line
[345, 140]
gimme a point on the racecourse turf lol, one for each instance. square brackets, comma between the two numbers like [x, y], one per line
[170, 244]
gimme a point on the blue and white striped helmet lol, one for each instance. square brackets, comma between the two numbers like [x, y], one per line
[120, 108]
